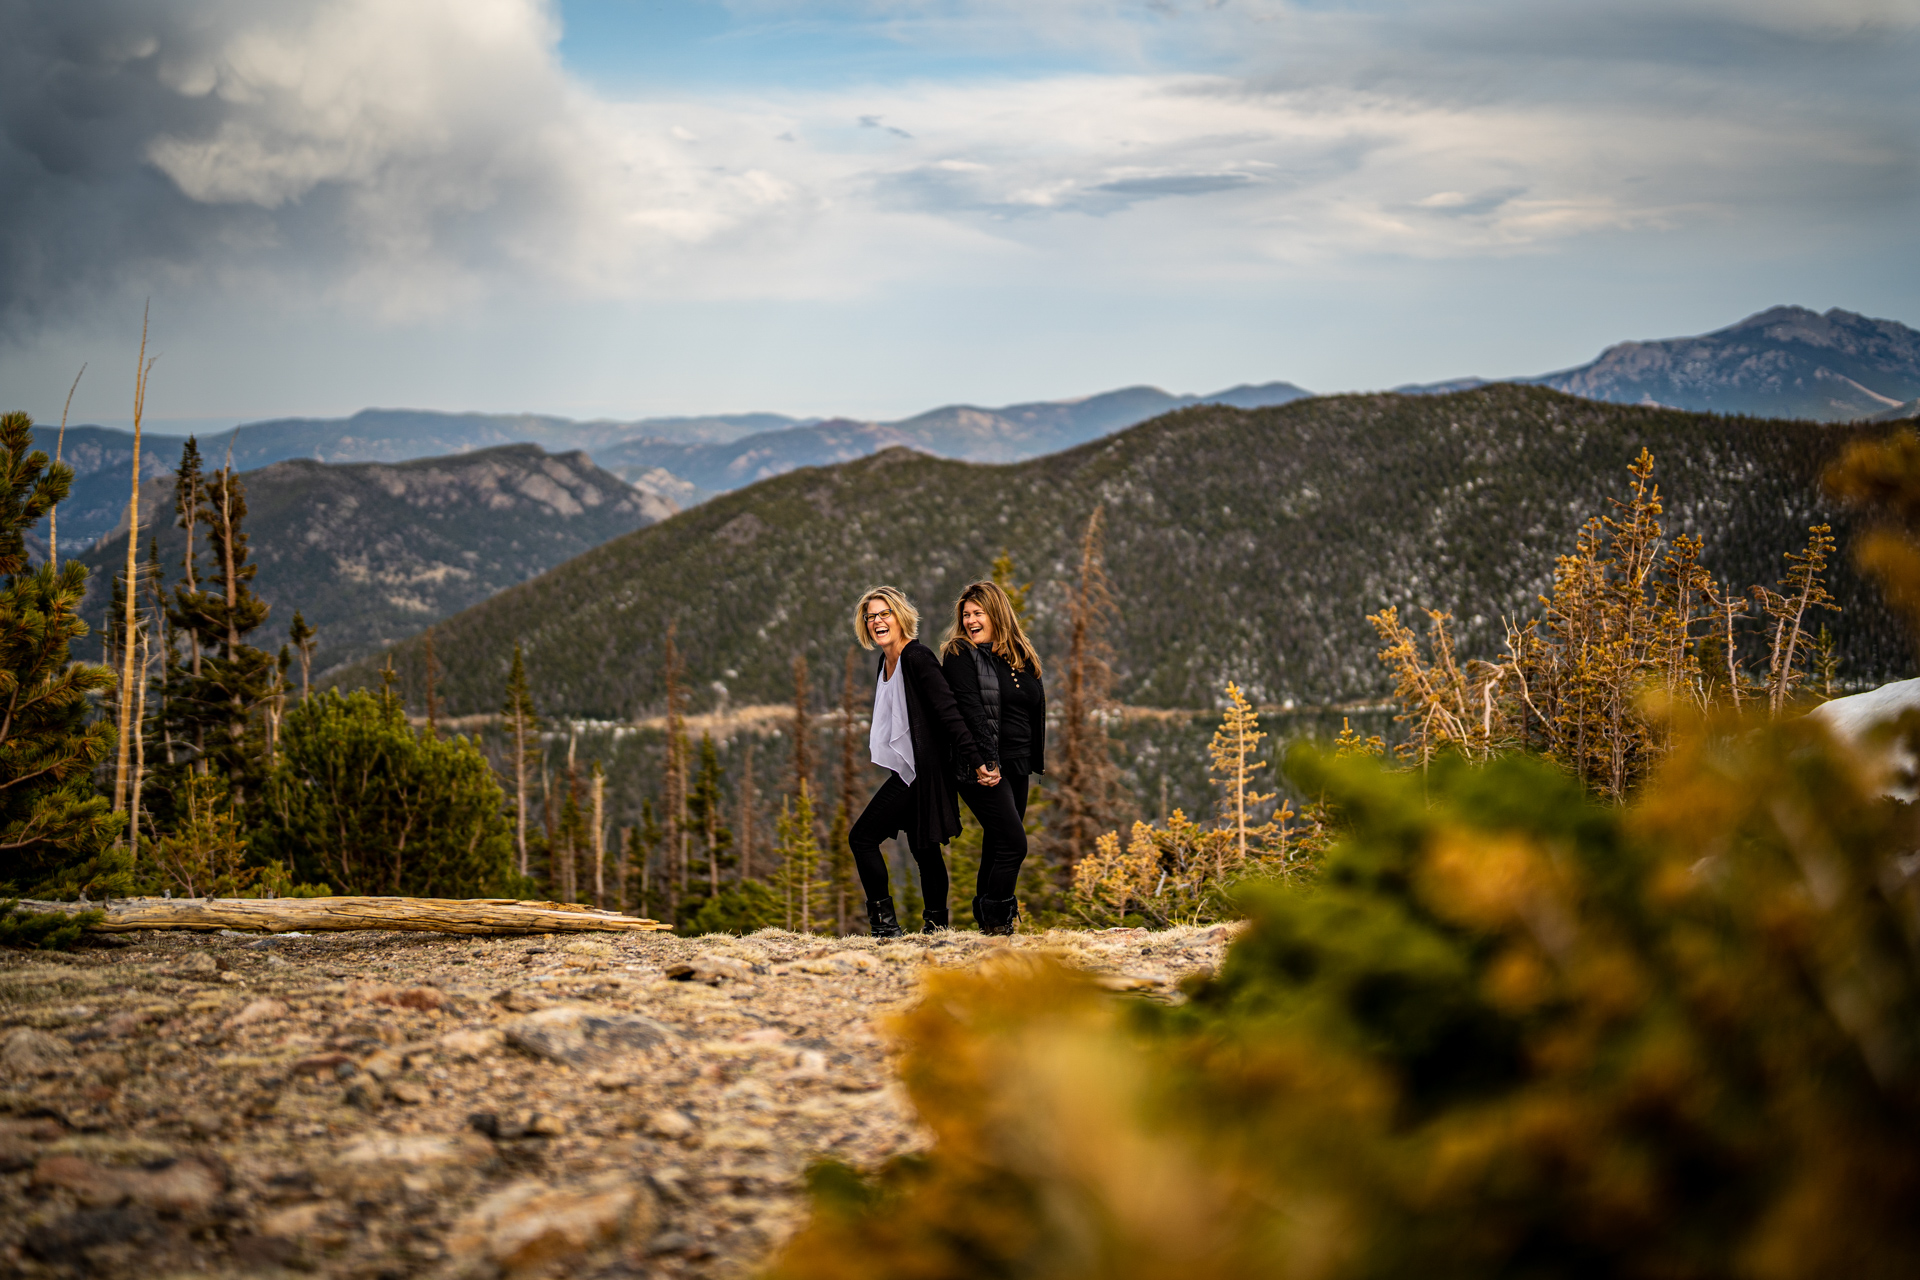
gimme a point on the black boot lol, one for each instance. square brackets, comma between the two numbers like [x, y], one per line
[996, 915]
[937, 918]
[880, 918]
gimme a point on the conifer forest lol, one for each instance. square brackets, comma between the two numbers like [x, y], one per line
[1529, 921]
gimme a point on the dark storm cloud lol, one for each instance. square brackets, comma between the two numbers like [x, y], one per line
[275, 143]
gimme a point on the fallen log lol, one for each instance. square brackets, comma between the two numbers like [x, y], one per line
[332, 915]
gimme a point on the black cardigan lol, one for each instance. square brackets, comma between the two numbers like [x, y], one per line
[939, 735]
[1029, 694]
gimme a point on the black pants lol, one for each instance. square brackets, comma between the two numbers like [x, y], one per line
[888, 814]
[1002, 812]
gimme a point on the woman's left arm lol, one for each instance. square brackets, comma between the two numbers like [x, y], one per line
[937, 697]
[1037, 728]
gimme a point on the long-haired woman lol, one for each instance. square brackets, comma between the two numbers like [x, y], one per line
[995, 676]
[917, 734]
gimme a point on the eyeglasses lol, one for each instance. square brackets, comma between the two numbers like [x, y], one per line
[875, 617]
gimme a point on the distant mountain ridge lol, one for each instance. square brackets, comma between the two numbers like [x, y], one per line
[965, 432]
[1243, 544]
[680, 460]
[1787, 361]
[1784, 362]
[373, 552]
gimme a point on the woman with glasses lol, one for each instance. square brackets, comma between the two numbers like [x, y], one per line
[994, 673]
[917, 731]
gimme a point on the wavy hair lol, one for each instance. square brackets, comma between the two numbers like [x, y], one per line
[904, 614]
[1009, 637]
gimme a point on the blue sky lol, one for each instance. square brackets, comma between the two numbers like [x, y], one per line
[869, 207]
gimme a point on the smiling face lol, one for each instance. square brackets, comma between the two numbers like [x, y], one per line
[882, 627]
[975, 624]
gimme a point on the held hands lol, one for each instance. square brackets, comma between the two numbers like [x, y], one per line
[989, 776]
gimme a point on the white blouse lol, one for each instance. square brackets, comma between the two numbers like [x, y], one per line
[891, 741]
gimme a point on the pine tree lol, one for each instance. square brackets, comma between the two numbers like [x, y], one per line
[523, 724]
[1017, 592]
[800, 881]
[1234, 743]
[598, 842]
[675, 797]
[845, 877]
[1085, 799]
[214, 703]
[1632, 622]
[704, 803]
[302, 635]
[1805, 589]
[802, 729]
[188, 481]
[55, 832]
[643, 850]
[433, 694]
[749, 802]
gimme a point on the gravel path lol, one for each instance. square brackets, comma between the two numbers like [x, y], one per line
[387, 1105]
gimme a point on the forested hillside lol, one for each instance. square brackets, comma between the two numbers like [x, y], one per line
[370, 553]
[1243, 545]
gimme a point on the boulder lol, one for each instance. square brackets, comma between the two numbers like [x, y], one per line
[585, 1035]
[27, 1052]
[429, 1163]
[181, 1186]
[530, 1226]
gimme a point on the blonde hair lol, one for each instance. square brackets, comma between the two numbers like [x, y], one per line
[905, 616]
[1009, 637]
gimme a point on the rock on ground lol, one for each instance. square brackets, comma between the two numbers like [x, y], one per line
[392, 1105]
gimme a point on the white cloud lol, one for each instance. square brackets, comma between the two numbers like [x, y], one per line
[421, 160]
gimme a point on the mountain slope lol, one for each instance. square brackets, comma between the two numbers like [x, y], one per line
[1245, 545]
[102, 462]
[1785, 362]
[371, 552]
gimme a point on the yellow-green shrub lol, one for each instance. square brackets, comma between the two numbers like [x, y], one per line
[1506, 1032]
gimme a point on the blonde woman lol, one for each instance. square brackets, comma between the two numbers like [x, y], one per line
[994, 673]
[917, 731]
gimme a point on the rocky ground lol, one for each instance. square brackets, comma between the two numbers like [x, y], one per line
[382, 1104]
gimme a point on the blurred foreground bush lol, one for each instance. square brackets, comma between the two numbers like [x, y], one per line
[1507, 1032]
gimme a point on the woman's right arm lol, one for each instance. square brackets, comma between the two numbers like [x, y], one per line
[964, 679]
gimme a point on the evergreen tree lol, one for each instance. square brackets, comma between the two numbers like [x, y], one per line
[1232, 750]
[301, 634]
[800, 882]
[844, 876]
[643, 852]
[359, 800]
[1017, 592]
[1805, 588]
[215, 699]
[674, 798]
[705, 803]
[55, 832]
[1086, 799]
[749, 804]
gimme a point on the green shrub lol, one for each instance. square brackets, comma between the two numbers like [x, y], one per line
[739, 909]
[56, 835]
[1505, 1032]
[44, 930]
[359, 800]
